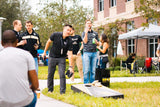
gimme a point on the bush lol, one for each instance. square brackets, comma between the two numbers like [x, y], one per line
[114, 62]
[117, 68]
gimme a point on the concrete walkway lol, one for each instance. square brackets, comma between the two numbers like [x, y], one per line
[49, 102]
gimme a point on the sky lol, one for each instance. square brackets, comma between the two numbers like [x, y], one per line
[35, 8]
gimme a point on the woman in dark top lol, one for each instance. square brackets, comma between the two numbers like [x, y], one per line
[103, 52]
[130, 60]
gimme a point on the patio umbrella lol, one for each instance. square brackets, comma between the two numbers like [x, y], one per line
[119, 49]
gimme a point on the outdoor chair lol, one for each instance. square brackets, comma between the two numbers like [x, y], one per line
[141, 65]
[155, 64]
[123, 65]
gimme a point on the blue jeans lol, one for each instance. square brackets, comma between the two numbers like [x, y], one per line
[33, 103]
[89, 60]
[36, 64]
[82, 62]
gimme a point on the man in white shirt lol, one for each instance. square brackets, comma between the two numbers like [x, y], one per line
[17, 68]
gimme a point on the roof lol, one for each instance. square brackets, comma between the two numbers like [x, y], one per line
[142, 32]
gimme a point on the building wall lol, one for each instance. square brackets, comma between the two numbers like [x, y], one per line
[96, 9]
[106, 8]
[123, 10]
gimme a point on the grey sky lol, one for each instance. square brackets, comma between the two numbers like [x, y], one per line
[35, 7]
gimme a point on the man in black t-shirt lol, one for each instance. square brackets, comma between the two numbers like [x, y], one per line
[61, 47]
[77, 40]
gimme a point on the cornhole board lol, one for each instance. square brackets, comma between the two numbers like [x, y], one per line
[95, 91]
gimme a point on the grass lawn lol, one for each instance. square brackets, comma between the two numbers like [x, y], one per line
[135, 95]
[43, 72]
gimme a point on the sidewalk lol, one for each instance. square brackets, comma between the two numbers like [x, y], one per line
[49, 102]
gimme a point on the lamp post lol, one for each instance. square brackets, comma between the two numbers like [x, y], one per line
[1, 20]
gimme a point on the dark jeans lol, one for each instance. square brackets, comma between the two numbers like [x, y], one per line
[61, 62]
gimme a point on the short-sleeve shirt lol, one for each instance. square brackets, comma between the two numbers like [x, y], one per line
[15, 90]
[17, 35]
[60, 46]
[76, 40]
[90, 46]
[19, 38]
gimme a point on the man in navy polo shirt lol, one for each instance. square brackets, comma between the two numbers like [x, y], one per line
[61, 47]
[17, 28]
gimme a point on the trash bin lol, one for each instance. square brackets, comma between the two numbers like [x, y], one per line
[103, 76]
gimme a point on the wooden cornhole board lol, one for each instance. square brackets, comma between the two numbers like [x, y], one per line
[95, 91]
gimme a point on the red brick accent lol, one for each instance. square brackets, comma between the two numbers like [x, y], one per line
[121, 7]
[123, 43]
[106, 8]
[96, 9]
[138, 21]
[142, 47]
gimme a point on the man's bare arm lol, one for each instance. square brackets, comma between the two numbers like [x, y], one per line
[33, 79]
[46, 47]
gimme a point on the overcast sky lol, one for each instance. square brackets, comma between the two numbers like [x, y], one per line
[35, 8]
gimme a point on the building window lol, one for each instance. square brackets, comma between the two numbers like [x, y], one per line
[101, 5]
[130, 26]
[113, 3]
[152, 21]
[153, 43]
[131, 46]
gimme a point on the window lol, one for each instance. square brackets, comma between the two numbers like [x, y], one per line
[152, 21]
[130, 26]
[153, 43]
[101, 5]
[113, 3]
[131, 46]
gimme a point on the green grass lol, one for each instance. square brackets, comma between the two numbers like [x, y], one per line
[43, 72]
[135, 95]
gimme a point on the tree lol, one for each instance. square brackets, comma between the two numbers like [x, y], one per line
[112, 31]
[148, 9]
[11, 10]
[55, 15]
